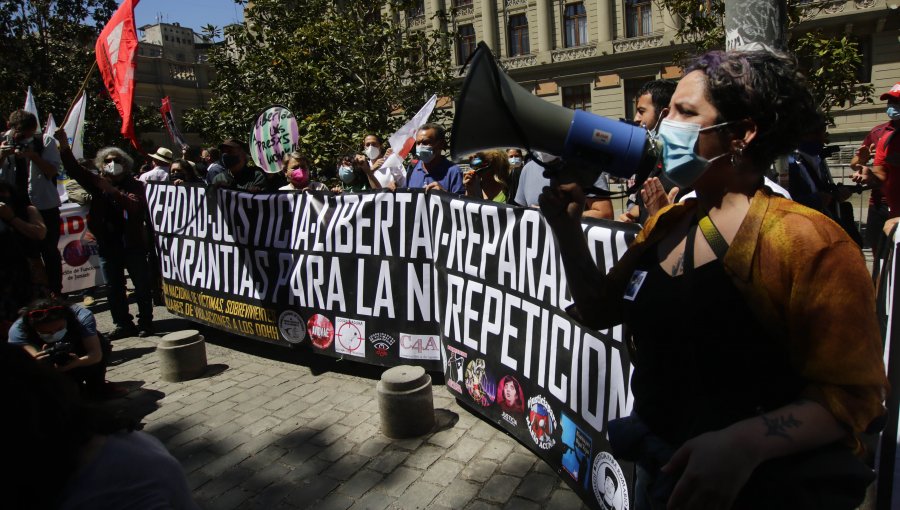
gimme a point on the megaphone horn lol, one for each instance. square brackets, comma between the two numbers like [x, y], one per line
[493, 111]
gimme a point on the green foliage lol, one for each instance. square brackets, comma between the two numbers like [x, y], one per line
[830, 63]
[342, 68]
[49, 45]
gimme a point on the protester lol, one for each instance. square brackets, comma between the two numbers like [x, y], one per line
[756, 364]
[238, 175]
[373, 148]
[532, 181]
[182, 172]
[20, 223]
[488, 178]
[295, 168]
[434, 171]
[162, 160]
[65, 454]
[118, 218]
[31, 163]
[878, 206]
[76, 193]
[651, 105]
[355, 174]
[516, 163]
[65, 337]
[212, 157]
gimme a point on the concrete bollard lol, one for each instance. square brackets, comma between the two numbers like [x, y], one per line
[182, 355]
[405, 402]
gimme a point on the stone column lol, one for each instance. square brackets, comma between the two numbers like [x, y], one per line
[437, 22]
[489, 25]
[545, 29]
[604, 21]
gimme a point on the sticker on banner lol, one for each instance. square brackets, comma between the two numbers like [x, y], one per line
[541, 422]
[350, 336]
[321, 332]
[420, 346]
[479, 383]
[634, 285]
[577, 457]
[455, 362]
[382, 343]
[510, 399]
[609, 483]
[292, 326]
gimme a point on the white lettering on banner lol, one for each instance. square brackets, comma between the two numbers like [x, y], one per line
[384, 294]
[418, 292]
[421, 237]
[384, 218]
[472, 315]
[474, 238]
[490, 222]
[401, 200]
[361, 224]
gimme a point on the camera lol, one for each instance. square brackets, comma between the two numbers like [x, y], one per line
[59, 353]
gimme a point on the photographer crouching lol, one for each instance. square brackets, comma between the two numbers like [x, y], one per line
[65, 337]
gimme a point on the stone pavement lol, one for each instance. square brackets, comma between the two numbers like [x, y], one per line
[269, 427]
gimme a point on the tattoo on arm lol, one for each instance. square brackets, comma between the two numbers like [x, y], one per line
[779, 425]
[678, 266]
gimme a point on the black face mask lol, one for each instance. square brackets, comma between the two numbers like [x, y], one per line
[176, 177]
[230, 160]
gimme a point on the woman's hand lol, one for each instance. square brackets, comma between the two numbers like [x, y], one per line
[472, 184]
[61, 138]
[654, 195]
[562, 204]
[714, 467]
[434, 186]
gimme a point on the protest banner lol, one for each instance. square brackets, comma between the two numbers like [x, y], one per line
[274, 134]
[80, 259]
[469, 287]
[888, 458]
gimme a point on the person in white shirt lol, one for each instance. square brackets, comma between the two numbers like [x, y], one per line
[162, 160]
[373, 148]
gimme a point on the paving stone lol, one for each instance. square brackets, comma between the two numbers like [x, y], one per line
[398, 481]
[360, 483]
[262, 478]
[497, 449]
[537, 486]
[222, 482]
[465, 449]
[387, 461]
[482, 430]
[330, 435]
[478, 470]
[542, 467]
[446, 438]
[334, 501]
[188, 435]
[424, 456]
[418, 495]
[346, 467]
[482, 505]
[442, 472]
[521, 504]
[230, 500]
[308, 491]
[458, 494]
[517, 464]
[225, 462]
[373, 500]
[499, 488]
[336, 451]
[564, 498]
[372, 447]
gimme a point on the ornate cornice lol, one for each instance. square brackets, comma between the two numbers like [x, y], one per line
[637, 43]
[519, 61]
[415, 22]
[568, 54]
[811, 10]
[516, 3]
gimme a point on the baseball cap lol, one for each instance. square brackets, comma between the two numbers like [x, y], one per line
[235, 144]
[894, 93]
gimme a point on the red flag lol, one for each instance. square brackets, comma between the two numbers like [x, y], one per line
[115, 59]
[169, 120]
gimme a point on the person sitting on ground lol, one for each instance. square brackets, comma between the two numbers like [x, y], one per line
[182, 172]
[488, 177]
[65, 337]
[296, 169]
[68, 454]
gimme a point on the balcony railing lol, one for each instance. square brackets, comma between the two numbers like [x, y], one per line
[637, 43]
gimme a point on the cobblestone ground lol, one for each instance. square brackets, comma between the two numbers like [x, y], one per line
[270, 428]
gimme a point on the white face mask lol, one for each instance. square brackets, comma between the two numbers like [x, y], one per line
[113, 168]
[372, 152]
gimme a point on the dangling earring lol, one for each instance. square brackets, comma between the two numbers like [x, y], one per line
[737, 155]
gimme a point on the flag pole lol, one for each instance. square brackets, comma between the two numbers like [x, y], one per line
[80, 90]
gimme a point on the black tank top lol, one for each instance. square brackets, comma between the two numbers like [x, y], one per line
[702, 360]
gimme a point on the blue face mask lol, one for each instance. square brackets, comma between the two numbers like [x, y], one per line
[425, 152]
[515, 161]
[346, 174]
[893, 111]
[52, 338]
[681, 163]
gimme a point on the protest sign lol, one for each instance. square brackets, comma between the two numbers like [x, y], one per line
[888, 459]
[80, 259]
[274, 134]
[472, 288]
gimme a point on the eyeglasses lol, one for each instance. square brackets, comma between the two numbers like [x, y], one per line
[43, 313]
[370, 144]
[113, 159]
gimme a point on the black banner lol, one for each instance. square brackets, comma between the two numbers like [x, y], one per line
[473, 288]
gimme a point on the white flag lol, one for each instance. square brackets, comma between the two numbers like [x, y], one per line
[50, 130]
[404, 139]
[30, 107]
[74, 126]
[61, 179]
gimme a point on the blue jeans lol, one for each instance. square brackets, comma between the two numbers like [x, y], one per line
[114, 260]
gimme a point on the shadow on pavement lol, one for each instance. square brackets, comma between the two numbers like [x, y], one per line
[120, 356]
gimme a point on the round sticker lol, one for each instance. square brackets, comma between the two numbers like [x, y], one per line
[382, 343]
[541, 422]
[609, 483]
[76, 253]
[510, 396]
[321, 332]
[479, 383]
[291, 326]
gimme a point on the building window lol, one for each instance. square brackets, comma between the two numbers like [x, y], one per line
[518, 35]
[417, 10]
[575, 20]
[462, 3]
[638, 16]
[577, 97]
[465, 43]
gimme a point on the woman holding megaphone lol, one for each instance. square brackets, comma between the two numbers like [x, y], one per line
[756, 351]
